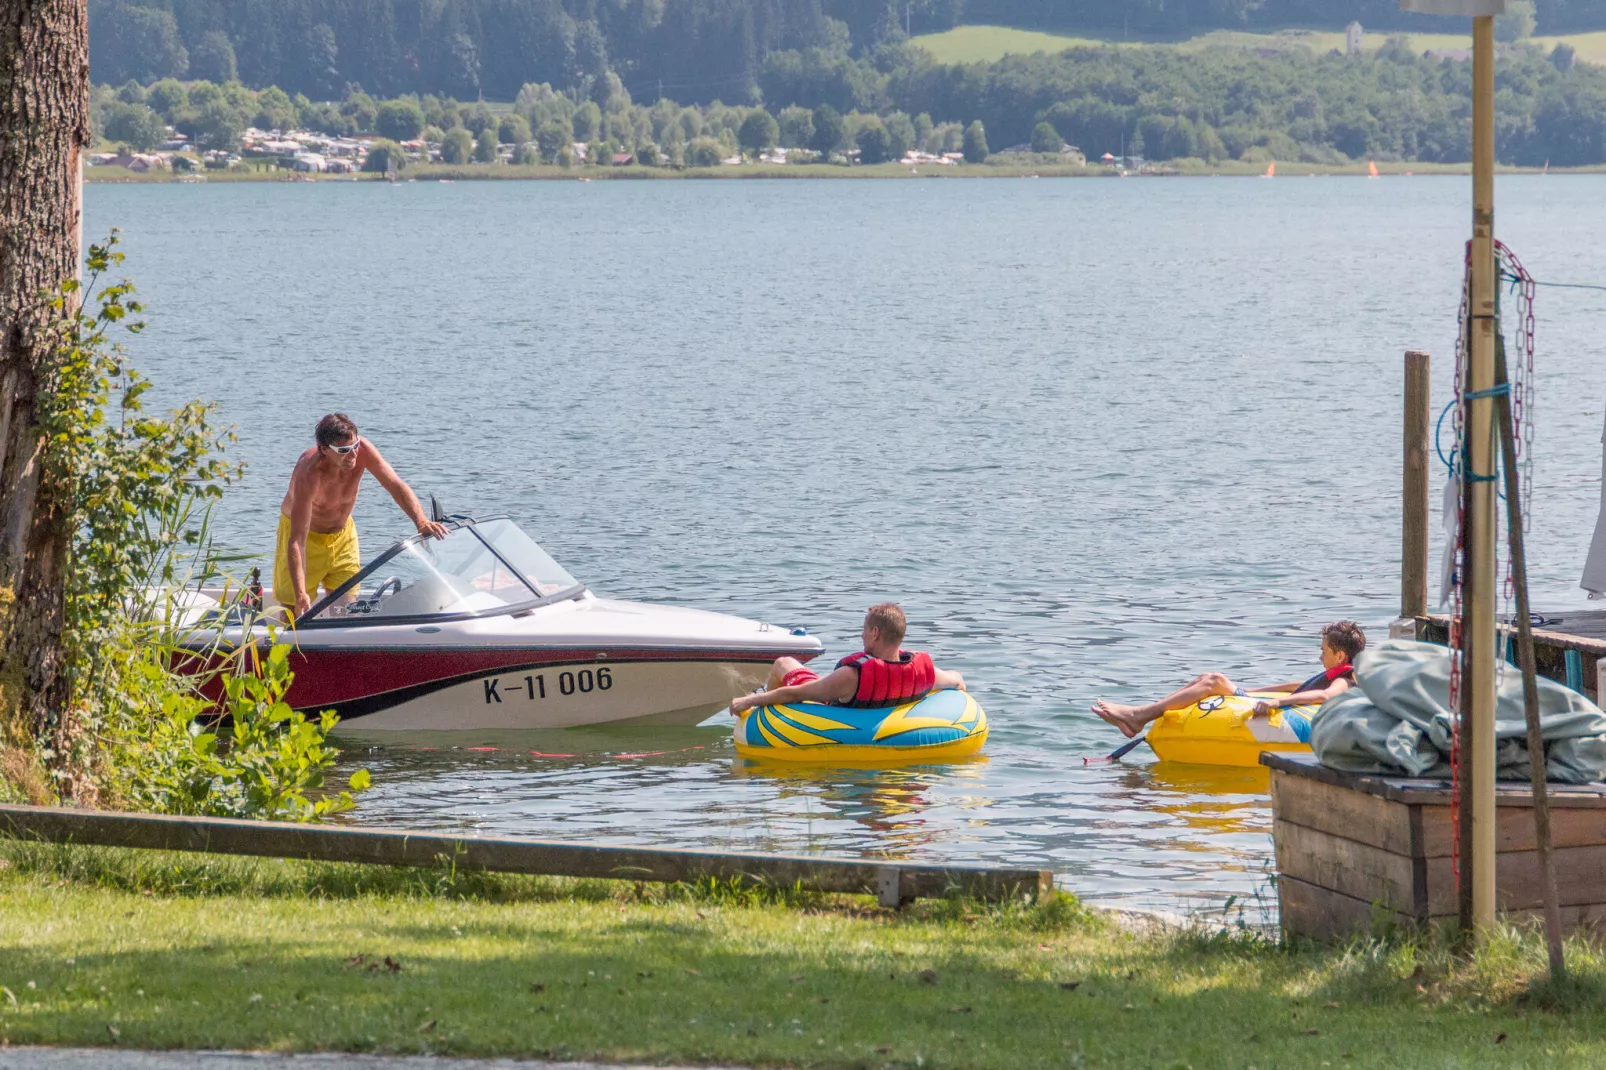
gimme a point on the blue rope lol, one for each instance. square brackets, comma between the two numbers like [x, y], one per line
[1438, 438]
[1492, 392]
[1450, 461]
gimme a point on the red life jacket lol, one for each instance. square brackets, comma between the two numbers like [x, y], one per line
[1321, 680]
[889, 683]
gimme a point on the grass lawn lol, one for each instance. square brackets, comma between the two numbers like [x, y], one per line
[973, 44]
[102, 947]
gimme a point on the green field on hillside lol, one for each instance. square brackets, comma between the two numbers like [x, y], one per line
[981, 44]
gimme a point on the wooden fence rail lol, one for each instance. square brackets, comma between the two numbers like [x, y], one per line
[893, 882]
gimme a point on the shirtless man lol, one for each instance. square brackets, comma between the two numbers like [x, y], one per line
[883, 674]
[317, 541]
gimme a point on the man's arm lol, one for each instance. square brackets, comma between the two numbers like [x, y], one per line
[840, 685]
[949, 680]
[400, 491]
[302, 491]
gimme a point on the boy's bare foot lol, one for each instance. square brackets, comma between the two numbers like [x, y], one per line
[1123, 717]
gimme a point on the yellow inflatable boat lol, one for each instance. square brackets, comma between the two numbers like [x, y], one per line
[940, 727]
[1223, 730]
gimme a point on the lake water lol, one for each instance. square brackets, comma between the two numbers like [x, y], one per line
[1096, 436]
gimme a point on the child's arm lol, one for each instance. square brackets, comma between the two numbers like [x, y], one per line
[826, 689]
[1305, 698]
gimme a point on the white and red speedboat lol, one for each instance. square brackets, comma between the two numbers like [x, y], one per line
[482, 630]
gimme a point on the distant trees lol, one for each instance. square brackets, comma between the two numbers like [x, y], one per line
[513, 129]
[212, 58]
[129, 41]
[830, 132]
[759, 132]
[399, 120]
[874, 144]
[587, 121]
[1395, 104]
[849, 54]
[796, 127]
[703, 152]
[217, 126]
[1517, 24]
[457, 146]
[274, 110]
[552, 138]
[975, 144]
[485, 146]
[385, 156]
[134, 125]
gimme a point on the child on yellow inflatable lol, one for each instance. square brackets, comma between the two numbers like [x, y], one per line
[1342, 641]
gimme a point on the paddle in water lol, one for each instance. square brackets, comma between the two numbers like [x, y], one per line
[1120, 752]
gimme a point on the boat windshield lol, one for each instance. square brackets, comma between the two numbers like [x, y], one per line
[477, 568]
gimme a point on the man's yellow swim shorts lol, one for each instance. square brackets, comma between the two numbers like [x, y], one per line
[332, 558]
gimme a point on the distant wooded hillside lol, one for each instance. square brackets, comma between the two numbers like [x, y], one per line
[693, 51]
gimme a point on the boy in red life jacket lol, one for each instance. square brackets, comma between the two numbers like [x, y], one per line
[883, 674]
[1341, 643]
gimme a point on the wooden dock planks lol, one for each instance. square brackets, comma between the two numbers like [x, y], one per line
[1354, 850]
[1582, 632]
[893, 882]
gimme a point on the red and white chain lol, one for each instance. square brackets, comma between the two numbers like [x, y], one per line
[1458, 551]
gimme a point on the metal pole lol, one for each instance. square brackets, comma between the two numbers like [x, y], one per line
[1537, 769]
[1479, 660]
[1414, 533]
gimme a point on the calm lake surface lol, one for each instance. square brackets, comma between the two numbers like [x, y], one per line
[1096, 436]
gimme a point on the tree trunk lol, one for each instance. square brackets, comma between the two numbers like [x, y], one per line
[44, 126]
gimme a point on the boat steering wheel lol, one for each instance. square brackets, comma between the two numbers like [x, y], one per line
[380, 593]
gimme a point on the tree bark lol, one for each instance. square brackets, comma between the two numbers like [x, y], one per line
[44, 127]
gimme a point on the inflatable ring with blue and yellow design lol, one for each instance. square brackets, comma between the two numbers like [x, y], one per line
[942, 726]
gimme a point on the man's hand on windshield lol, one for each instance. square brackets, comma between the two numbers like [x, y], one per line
[433, 529]
[303, 603]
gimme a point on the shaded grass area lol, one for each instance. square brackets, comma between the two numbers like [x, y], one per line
[153, 950]
[987, 44]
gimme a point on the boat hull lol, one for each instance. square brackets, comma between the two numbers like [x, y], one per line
[520, 690]
[586, 661]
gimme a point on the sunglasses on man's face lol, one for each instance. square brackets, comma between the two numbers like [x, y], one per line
[349, 448]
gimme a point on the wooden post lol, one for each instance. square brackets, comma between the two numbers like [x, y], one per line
[894, 882]
[1538, 770]
[1414, 549]
[1478, 659]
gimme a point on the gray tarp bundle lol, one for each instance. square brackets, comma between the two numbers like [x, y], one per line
[1398, 721]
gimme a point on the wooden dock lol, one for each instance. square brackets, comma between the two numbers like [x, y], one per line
[1355, 850]
[1570, 648]
[893, 883]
